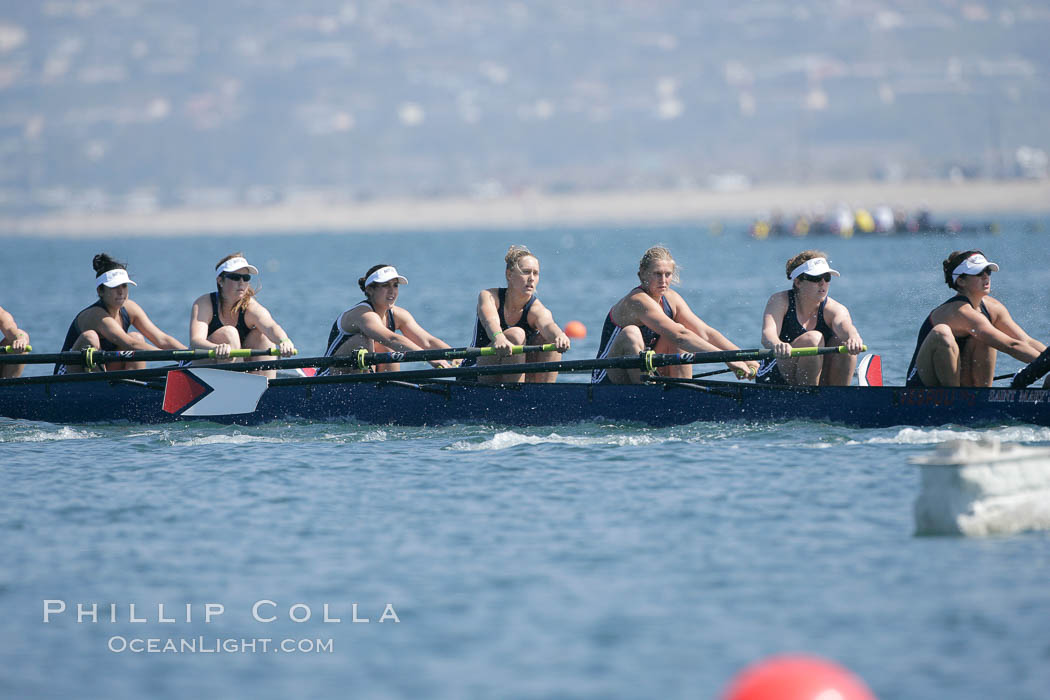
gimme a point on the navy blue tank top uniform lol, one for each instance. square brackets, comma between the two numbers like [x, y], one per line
[927, 326]
[74, 332]
[790, 328]
[215, 324]
[610, 331]
[337, 337]
[481, 336]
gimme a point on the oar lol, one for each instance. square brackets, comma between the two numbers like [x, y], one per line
[1032, 371]
[363, 359]
[91, 357]
[712, 373]
[562, 366]
[646, 361]
[4, 349]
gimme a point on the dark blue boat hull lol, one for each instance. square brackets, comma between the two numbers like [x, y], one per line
[550, 404]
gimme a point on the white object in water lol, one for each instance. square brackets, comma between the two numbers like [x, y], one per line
[983, 488]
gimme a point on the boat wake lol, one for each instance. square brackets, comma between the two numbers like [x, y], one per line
[930, 436]
[508, 439]
[983, 488]
[234, 439]
[49, 434]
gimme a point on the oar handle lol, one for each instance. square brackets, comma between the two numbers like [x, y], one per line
[363, 359]
[9, 349]
[839, 349]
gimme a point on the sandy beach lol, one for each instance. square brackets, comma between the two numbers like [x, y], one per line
[980, 199]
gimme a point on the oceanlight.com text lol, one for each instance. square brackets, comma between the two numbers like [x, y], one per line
[218, 645]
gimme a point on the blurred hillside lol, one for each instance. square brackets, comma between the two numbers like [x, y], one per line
[134, 105]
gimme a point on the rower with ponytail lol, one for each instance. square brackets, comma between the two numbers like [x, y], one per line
[105, 324]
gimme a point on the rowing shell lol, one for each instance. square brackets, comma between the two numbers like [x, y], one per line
[441, 402]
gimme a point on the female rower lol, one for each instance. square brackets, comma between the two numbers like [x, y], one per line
[805, 317]
[372, 324]
[957, 342]
[513, 315]
[230, 318]
[14, 337]
[652, 316]
[104, 325]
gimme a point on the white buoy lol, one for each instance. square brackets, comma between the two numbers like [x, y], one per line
[983, 487]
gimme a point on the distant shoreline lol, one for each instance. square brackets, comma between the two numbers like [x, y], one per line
[942, 199]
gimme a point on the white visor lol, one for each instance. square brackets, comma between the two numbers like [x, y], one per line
[973, 265]
[813, 267]
[114, 278]
[385, 274]
[234, 264]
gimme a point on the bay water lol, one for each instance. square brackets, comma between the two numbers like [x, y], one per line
[581, 561]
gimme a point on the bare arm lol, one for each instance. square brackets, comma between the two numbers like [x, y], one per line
[9, 329]
[374, 327]
[841, 323]
[140, 320]
[200, 316]
[695, 324]
[419, 335]
[488, 316]
[257, 316]
[541, 318]
[772, 324]
[1005, 323]
[966, 319]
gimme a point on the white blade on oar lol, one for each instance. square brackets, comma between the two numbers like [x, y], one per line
[212, 392]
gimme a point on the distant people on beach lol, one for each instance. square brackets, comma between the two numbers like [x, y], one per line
[846, 222]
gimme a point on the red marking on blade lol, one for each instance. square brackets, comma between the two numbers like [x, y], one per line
[309, 371]
[182, 390]
[874, 373]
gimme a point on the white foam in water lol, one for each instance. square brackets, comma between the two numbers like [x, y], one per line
[933, 436]
[48, 435]
[235, 439]
[507, 439]
[983, 488]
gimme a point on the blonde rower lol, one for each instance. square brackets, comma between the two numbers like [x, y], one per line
[14, 337]
[514, 315]
[230, 318]
[652, 316]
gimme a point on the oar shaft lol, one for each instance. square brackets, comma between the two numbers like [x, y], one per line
[79, 357]
[368, 359]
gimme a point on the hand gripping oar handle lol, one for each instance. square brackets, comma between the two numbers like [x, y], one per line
[90, 357]
[646, 361]
[9, 349]
[362, 359]
[1032, 371]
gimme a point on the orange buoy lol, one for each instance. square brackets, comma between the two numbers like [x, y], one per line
[575, 329]
[796, 677]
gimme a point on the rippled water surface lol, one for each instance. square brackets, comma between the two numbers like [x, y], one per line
[588, 560]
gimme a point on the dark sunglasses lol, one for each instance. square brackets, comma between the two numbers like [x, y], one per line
[982, 273]
[826, 277]
[237, 277]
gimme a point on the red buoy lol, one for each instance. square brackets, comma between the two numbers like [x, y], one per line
[575, 329]
[797, 677]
